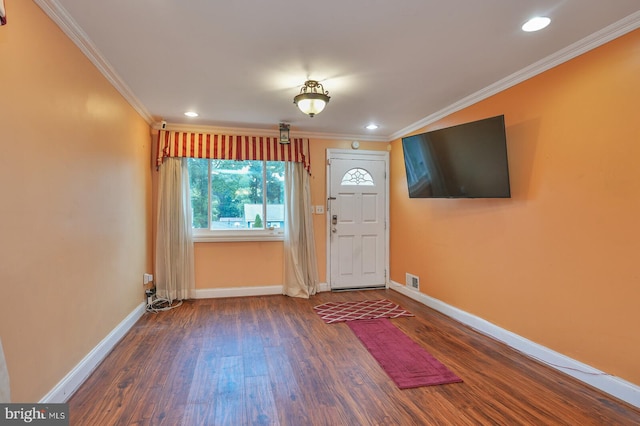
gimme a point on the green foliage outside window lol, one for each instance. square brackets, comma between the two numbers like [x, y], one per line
[233, 184]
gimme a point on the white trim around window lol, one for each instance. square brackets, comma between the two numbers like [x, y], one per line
[207, 236]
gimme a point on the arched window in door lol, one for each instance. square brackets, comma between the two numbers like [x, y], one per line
[357, 176]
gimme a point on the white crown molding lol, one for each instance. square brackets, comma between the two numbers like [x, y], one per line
[338, 136]
[267, 132]
[588, 43]
[66, 23]
[615, 386]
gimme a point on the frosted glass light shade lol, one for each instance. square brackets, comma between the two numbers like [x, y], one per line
[310, 106]
[312, 98]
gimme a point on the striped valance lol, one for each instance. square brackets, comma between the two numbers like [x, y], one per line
[230, 147]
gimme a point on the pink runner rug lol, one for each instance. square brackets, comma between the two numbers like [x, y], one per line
[348, 311]
[406, 362]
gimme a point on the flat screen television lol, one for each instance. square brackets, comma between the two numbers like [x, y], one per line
[464, 161]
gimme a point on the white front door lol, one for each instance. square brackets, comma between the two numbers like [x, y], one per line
[357, 218]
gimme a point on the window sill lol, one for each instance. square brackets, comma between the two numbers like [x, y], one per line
[205, 236]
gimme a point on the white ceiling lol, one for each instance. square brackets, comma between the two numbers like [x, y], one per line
[400, 64]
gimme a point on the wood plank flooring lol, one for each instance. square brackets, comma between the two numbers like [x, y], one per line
[272, 361]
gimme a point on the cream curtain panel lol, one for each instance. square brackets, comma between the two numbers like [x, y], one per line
[300, 267]
[174, 246]
[3, 13]
[174, 242]
[5, 391]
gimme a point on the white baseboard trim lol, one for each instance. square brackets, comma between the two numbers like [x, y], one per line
[213, 293]
[72, 381]
[612, 385]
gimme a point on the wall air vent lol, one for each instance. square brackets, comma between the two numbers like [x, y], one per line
[413, 282]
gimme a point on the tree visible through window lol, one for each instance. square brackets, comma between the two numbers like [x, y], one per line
[229, 194]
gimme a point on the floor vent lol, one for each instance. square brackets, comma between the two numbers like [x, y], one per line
[413, 282]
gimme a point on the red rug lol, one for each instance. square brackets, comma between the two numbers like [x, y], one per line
[406, 362]
[368, 309]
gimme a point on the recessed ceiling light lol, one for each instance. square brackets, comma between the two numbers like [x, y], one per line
[371, 126]
[536, 24]
[191, 114]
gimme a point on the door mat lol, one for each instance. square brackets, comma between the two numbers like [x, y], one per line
[332, 312]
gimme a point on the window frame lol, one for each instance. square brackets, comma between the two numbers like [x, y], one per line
[201, 235]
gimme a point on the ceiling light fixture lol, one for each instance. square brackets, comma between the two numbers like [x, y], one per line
[312, 98]
[371, 126]
[191, 114]
[284, 134]
[536, 24]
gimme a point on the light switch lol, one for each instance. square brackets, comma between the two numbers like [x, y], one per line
[320, 209]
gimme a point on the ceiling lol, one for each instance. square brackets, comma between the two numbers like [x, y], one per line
[400, 64]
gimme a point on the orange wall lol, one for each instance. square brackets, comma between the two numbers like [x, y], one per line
[242, 264]
[558, 262]
[75, 230]
[225, 265]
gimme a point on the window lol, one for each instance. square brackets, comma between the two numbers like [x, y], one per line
[357, 176]
[233, 200]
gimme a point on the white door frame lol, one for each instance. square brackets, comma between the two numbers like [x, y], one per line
[355, 155]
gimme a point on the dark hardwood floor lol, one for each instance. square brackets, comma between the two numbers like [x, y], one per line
[272, 361]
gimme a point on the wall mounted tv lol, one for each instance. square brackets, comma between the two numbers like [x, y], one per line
[464, 161]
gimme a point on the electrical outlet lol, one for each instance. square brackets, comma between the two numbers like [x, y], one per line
[320, 209]
[146, 279]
